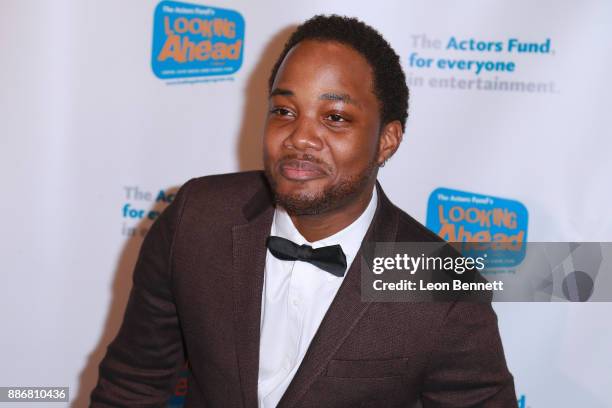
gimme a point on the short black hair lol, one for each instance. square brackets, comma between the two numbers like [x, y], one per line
[389, 80]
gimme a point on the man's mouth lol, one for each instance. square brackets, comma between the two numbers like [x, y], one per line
[301, 170]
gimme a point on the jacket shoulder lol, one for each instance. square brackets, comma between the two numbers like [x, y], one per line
[240, 183]
[407, 228]
[229, 186]
[410, 230]
[222, 193]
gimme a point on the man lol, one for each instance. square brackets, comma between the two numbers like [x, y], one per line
[254, 278]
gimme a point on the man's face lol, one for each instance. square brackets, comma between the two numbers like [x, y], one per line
[321, 133]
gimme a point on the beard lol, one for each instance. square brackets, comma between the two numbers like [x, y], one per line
[330, 198]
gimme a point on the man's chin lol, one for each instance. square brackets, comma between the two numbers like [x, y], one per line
[301, 205]
[307, 189]
[313, 202]
[316, 196]
[300, 200]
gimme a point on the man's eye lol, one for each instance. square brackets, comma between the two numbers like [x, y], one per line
[281, 111]
[334, 117]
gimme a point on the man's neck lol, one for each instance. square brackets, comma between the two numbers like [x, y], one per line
[320, 226]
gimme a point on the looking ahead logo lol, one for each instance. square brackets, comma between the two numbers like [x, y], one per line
[191, 40]
[459, 216]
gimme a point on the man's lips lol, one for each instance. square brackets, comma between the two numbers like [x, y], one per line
[301, 170]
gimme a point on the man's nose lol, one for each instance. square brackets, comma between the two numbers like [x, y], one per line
[305, 136]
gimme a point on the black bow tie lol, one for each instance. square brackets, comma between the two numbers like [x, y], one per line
[330, 258]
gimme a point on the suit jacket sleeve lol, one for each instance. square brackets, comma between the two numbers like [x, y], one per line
[142, 363]
[468, 367]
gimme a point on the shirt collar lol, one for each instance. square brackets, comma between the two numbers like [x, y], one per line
[349, 238]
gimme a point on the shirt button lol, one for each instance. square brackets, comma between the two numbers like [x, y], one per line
[295, 302]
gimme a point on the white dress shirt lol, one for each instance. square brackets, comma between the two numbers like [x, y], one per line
[296, 296]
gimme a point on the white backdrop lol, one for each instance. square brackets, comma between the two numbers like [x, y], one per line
[87, 128]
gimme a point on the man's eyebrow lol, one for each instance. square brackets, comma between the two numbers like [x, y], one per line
[281, 92]
[346, 98]
[329, 96]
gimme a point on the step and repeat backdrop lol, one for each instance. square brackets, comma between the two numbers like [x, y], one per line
[108, 107]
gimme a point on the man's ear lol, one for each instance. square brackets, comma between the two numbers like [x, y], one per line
[390, 139]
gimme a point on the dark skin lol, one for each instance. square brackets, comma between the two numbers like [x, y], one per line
[324, 131]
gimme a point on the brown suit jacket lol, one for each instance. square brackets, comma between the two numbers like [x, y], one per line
[197, 296]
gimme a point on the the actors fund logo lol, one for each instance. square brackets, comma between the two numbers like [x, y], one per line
[192, 41]
[459, 216]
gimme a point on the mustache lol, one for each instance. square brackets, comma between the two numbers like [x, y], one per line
[306, 158]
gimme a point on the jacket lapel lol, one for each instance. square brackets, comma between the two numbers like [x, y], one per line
[345, 310]
[249, 256]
